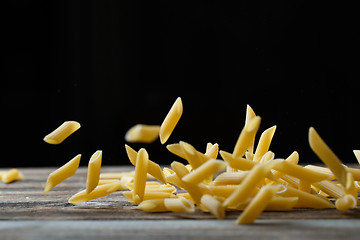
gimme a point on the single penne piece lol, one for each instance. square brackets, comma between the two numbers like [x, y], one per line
[268, 156]
[194, 157]
[293, 181]
[323, 170]
[212, 150]
[330, 188]
[204, 171]
[179, 205]
[62, 173]
[264, 143]
[170, 121]
[357, 155]
[327, 156]
[246, 137]
[239, 163]
[223, 191]
[230, 178]
[12, 175]
[258, 204]
[141, 133]
[213, 205]
[250, 114]
[346, 202]
[153, 205]
[247, 186]
[300, 172]
[153, 168]
[94, 168]
[293, 158]
[147, 196]
[141, 169]
[99, 191]
[176, 149]
[193, 189]
[307, 200]
[281, 203]
[62, 132]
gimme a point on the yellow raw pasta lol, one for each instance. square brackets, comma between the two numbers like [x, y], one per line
[142, 133]
[213, 205]
[166, 205]
[258, 204]
[357, 155]
[327, 156]
[147, 196]
[264, 143]
[346, 202]
[62, 173]
[212, 150]
[94, 168]
[12, 175]
[141, 169]
[99, 191]
[62, 132]
[153, 168]
[246, 137]
[230, 178]
[281, 203]
[204, 171]
[170, 121]
[237, 163]
[330, 188]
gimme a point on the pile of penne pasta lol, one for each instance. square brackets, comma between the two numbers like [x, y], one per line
[249, 179]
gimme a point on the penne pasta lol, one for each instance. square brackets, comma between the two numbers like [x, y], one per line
[141, 133]
[281, 203]
[246, 137]
[230, 178]
[62, 173]
[12, 175]
[204, 171]
[141, 169]
[94, 168]
[179, 205]
[170, 121]
[62, 132]
[194, 157]
[264, 143]
[327, 156]
[346, 202]
[213, 206]
[99, 191]
[357, 155]
[237, 163]
[212, 150]
[330, 188]
[147, 196]
[258, 204]
[153, 168]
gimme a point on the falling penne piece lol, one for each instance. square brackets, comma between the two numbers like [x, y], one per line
[327, 156]
[62, 173]
[213, 205]
[153, 168]
[357, 155]
[142, 133]
[170, 121]
[194, 157]
[212, 150]
[62, 132]
[98, 192]
[204, 171]
[237, 163]
[12, 175]
[141, 169]
[258, 204]
[246, 137]
[94, 168]
[264, 143]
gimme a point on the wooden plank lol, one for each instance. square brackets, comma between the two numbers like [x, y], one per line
[24, 200]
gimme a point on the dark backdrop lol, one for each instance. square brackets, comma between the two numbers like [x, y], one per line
[112, 64]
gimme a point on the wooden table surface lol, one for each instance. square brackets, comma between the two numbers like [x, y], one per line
[25, 213]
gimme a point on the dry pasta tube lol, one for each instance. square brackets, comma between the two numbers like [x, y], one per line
[179, 205]
[329, 188]
[327, 156]
[174, 180]
[237, 163]
[62, 173]
[246, 137]
[141, 169]
[264, 143]
[323, 170]
[230, 178]
[170, 121]
[223, 191]
[258, 204]
[346, 202]
[94, 168]
[153, 205]
[147, 196]
[357, 155]
[193, 189]
[204, 171]
[213, 205]
[142, 133]
[153, 168]
[62, 132]
[250, 114]
[99, 191]
[281, 203]
[247, 187]
[307, 200]
[176, 149]
[12, 175]
[212, 150]
[268, 156]
[194, 157]
[300, 172]
[351, 187]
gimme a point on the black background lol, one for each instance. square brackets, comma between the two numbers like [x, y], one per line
[113, 64]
